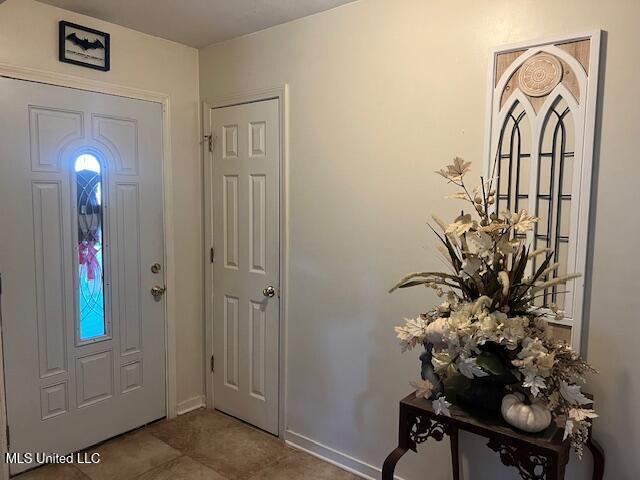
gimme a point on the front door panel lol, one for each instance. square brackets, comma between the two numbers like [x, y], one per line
[81, 223]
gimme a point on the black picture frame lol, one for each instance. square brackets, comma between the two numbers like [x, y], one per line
[64, 54]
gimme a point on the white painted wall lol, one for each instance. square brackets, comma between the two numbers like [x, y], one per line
[29, 37]
[381, 94]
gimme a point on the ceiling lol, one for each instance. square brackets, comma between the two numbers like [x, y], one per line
[197, 22]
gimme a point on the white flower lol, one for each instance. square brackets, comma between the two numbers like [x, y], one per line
[434, 332]
[488, 324]
[441, 406]
[470, 347]
[545, 363]
[532, 348]
[513, 331]
[542, 324]
[444, 307]
[469, 368]
[535, 383]
[572, 394]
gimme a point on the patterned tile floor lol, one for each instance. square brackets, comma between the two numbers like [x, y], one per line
[201, 445]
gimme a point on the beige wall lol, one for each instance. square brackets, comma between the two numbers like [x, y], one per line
[381, 94]
[29, 37]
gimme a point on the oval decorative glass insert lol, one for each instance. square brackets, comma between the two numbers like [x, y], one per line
[88, 179]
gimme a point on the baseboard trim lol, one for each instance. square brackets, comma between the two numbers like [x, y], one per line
[333, 456]
[190, 404]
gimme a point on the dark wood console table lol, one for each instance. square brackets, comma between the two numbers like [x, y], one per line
[541, 456]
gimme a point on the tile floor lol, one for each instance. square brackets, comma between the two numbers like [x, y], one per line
[201, 445]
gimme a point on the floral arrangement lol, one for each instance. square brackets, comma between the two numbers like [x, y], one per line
[488, 332]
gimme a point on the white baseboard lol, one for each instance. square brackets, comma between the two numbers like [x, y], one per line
[191, 404]
[333, 456]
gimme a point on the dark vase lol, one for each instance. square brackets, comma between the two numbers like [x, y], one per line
[482, 394]
[427, 372]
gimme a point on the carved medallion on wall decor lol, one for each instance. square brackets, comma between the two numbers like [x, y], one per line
[539, 75]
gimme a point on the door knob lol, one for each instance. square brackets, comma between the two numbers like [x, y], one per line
[157, 291]
[269, 291]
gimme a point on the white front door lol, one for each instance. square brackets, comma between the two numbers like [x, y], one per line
[81, 224]
[246, 225]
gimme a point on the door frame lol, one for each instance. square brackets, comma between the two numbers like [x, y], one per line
[280, 93]
[63, 80]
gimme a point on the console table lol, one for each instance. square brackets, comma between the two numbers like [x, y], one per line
[540, 456]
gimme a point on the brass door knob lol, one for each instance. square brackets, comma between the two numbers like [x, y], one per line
[269, 291]
[157, 291]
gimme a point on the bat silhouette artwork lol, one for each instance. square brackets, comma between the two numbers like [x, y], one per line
[83, 42]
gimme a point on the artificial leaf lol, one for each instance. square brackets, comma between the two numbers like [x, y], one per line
[468, 368]
[489, 362]
[457, 196]
[441, 406]
[455, 171]
[441, 361]
[493, 227]
[461, 225]
[572, 394]
[471, 265]
[534, 383]
[522, 221]
[580, 414]
[424, 388]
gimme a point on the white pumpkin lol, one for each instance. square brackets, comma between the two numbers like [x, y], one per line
[529, 418]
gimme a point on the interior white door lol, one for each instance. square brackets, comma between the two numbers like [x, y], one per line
[81, 224]
[246, 226]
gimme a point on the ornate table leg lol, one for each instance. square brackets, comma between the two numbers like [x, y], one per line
[414, 428]
[455, 462]
[598, 458]
[389, 466]
[404, 443]
[556, 468]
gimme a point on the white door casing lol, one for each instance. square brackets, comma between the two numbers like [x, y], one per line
[246, 230]
[64, 394]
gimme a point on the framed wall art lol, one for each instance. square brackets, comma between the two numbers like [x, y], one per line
[84, 46]
[542, 109]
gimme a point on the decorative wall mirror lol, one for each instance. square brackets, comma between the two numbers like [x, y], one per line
[542, 109]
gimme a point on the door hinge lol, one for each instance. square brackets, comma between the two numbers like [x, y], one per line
[209, 141]
[212, 254]
[213, 364]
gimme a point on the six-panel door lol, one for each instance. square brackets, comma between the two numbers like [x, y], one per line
[246, 236]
